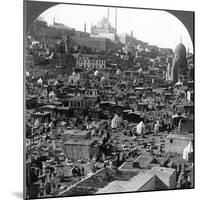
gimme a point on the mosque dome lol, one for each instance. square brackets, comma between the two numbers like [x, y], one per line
[180, 50]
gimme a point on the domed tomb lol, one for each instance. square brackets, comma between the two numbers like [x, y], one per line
[179, 67]
[180, 51]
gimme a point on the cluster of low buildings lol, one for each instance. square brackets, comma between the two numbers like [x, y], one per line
[118, 121]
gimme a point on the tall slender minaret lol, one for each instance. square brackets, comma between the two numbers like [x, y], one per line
[91, 28]
[115, 20]
[131, 33]
[85, 27]
[108, 16]
[54, 21]
[188, 52]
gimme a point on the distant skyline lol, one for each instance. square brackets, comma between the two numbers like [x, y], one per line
[153, 26]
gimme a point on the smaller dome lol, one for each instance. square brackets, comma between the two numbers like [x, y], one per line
[180, 50]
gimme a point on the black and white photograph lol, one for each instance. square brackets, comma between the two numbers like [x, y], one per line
[108, 99]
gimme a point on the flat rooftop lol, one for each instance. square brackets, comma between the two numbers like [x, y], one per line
[143, 162]
[76, 132]
[82, 142]
[48, 107]
[41, 113]
[62, 108]
[128, 166]
[28, 97]
[162, 171]
[181, 136]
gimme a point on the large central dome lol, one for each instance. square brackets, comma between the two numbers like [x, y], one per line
[180, 50]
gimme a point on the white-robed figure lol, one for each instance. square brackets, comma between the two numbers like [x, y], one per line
[118, 72]
[179, 83]
[96, 73]
[140, 71]
[89, 126]
[141, 128]
[36, 123]
[51, 125]
[156, 127]
[115, 121]
[102, 78]
[55, 83]
[28, 74]
[52, 94]
[39, 81]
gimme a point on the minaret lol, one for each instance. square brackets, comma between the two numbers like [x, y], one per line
[131, 33]
[54, 21]
[188, 53]
[85, 27]
[115, 20]
[108, 15]
[91, 28]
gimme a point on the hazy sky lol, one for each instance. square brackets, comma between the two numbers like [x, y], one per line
[155, 27]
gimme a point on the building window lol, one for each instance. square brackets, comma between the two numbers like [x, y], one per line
[43, 180]
[81, 103]
[171, 141]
